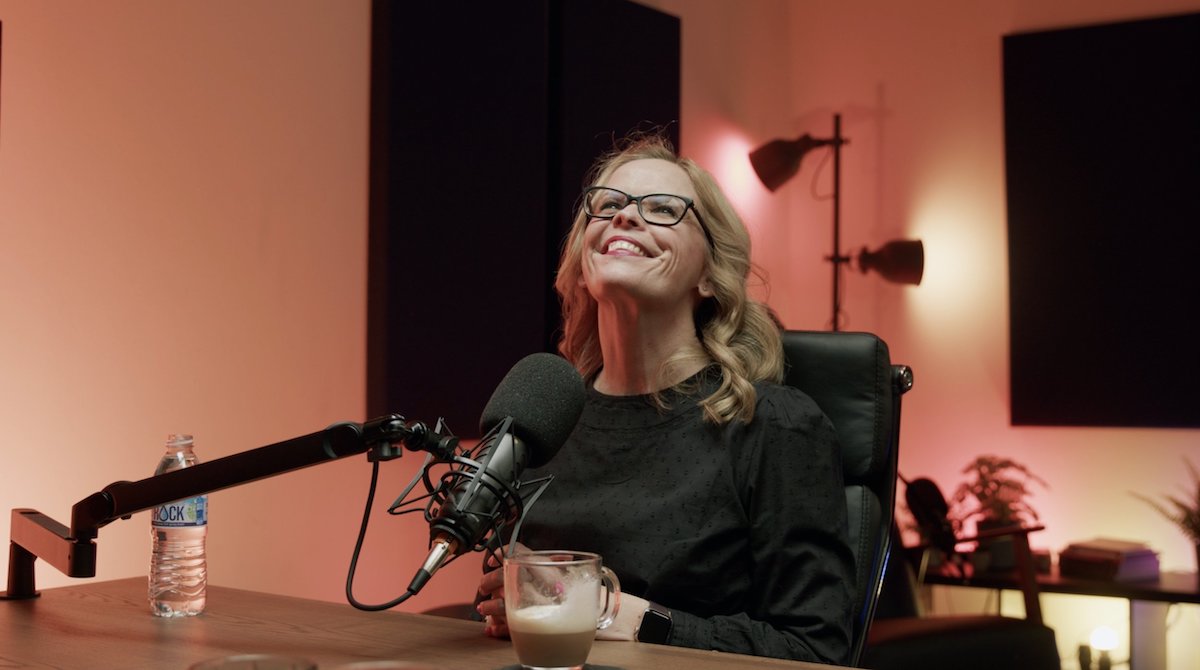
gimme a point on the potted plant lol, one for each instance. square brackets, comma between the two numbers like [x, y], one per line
[1184, 512]
[994, 496]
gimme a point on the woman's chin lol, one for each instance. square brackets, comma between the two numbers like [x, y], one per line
[624, 273]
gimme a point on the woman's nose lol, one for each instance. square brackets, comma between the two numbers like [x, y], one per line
[629, 216]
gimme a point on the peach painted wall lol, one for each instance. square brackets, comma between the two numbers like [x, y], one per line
[919, 87]
[182, 227]
[183, 231]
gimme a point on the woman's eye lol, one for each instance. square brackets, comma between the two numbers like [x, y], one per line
[666, 207]
[610, 205]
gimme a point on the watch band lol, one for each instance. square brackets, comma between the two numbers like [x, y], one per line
[655, 626]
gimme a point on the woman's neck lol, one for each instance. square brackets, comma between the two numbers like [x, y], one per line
[635, 343]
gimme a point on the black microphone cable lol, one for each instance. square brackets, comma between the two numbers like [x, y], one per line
[362, 532]
[435, 443]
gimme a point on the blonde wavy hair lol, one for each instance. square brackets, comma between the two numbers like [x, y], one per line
[735, 332]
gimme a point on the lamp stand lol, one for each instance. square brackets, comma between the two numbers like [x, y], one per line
[898, 261]
[836, 258]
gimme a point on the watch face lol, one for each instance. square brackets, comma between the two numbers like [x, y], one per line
[655, 628]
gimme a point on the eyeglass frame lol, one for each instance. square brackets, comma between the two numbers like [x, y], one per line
[690, 204]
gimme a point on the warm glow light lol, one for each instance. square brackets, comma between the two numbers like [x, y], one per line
[729, 163]
[1103, 639]
[725, 153]
[961, 270]
[733, 162]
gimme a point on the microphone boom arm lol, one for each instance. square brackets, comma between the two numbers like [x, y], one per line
[73, 550]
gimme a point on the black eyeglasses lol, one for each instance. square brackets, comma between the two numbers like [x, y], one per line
[659, 209]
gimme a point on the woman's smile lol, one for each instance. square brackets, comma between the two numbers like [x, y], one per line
[623, 246]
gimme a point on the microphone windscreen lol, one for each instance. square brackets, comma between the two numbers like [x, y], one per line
[544, 396]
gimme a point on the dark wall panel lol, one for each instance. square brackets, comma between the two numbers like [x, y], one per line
[1102, 136]
[474, 165]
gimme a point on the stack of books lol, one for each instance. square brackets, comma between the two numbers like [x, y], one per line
[1112, 560]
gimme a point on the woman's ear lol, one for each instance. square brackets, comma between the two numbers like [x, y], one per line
[705, 287]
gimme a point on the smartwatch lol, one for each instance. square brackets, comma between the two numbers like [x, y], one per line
[655, 627]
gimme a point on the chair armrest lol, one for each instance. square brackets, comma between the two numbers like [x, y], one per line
[1026, 575]
[1000, 532]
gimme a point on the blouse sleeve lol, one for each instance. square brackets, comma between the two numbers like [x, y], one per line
[788, 468]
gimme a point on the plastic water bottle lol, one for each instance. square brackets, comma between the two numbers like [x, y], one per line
[178, 571]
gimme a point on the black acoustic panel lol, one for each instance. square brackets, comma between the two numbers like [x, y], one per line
[469, 176]
[1102, 140]
[458, 204]
[617, 73]
[614, 71]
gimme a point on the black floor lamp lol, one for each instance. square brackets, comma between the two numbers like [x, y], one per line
[898, 261]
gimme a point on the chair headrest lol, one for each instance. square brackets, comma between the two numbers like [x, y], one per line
[849, 375]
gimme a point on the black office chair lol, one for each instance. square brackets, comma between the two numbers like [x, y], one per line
[852, 379]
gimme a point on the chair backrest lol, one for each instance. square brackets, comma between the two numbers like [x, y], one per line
[852, 379]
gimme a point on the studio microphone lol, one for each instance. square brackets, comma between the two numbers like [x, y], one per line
[528, 418]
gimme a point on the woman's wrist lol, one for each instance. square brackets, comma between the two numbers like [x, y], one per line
[629, 617]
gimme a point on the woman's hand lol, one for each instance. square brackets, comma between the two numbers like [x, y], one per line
[491, 591]
[491, 607]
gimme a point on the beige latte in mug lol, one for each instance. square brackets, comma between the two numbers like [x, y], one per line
[554, 602]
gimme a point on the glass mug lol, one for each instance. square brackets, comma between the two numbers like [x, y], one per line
[555, 601]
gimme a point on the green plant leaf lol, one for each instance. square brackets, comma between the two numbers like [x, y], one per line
[1182, 512]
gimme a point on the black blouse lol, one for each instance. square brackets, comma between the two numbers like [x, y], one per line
[741, 530]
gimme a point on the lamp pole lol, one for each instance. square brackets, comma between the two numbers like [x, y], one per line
[837, 259]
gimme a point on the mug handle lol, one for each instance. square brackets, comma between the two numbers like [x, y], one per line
[612, 598]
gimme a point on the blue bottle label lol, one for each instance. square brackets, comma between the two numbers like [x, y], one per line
[182, 513]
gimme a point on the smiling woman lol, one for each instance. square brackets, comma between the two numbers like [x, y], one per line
[649, 166]
[713, 492]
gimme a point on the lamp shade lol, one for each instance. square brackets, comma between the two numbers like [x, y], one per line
[778, 160]
[898, 261]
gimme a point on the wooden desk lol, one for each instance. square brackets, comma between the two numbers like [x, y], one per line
[109, 625]
[1148, 603]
